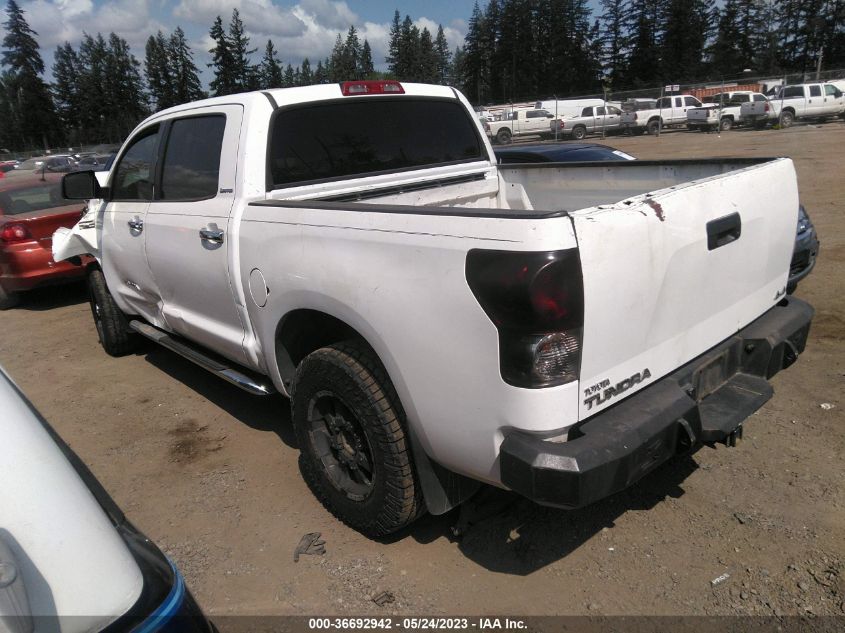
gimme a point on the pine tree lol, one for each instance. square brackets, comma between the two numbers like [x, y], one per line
[365, 63]
[222, 62]
[244, 74]
[127, 94]
[306, 76]
[27, 96]
[157, 68]
[394, 49]
[427, 71]
[271, 71]
[476, 70]
[614, 39]
[644, 61]
[289, 79]
[320, 75]
[444, 56]
[66, 70]
[687, 26]
[350, 56]
[185, 74]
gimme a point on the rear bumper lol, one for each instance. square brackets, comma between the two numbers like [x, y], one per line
[27, 265]
[706, 401]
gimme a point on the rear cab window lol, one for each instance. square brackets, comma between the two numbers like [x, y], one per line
[359, 137]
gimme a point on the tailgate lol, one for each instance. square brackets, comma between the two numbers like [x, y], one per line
[699, 114]
[670, 274]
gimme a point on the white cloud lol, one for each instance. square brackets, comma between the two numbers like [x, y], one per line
[273, 18]
[60, 21]
[336, 15]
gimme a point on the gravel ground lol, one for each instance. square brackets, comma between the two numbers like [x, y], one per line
[210, 473]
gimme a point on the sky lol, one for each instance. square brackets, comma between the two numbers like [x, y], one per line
[299, 29]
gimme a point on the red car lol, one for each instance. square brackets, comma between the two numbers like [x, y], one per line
[31, 209]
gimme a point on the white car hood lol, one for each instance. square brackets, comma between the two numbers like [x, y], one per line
[71, 560]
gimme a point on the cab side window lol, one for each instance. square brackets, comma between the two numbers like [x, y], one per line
[133, 177]
[815, 91]
[191, 164]
[692, 102]
[791, 92]
[829, 91]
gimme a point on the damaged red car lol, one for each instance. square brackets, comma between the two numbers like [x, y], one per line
[31, 209]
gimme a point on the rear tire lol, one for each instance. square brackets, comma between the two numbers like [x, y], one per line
[579, 132]
[786, 119]
[653, 127]
[8, 299]
[726, 124]
[355, 452]
[112, 326]
[503, 136]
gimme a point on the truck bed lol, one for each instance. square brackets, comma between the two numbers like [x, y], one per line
[535, 190]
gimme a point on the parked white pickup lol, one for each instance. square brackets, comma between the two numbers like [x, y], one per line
[723, 112]
[520, 123]
[436, 319]
[803, 101]
[591, 120]
[670, 112]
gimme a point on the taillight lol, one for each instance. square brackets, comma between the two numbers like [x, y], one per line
[371, 87]
[15, 233]
[766, 108]
[536, 302]
[635, 116]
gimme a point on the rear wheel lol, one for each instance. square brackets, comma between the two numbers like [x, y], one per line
[112, 326]
[355, 453]
[726, 124]
[653, 127]
[786, 119]
[8, 299]
[579, 132]
[503, 136]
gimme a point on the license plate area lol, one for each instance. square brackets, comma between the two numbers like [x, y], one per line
[715, 372]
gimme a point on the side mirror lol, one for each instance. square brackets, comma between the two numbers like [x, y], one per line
[81, 185]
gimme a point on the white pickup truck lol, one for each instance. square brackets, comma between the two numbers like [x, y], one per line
[520, 123]
[591, 120]
[724, 111]
[670, 112]
[436, 319]
[803, 101]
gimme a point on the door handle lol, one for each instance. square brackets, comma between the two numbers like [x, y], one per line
[723, 231]
[136, 224]
[215, 236]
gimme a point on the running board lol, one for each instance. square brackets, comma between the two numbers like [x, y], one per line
[239, 378]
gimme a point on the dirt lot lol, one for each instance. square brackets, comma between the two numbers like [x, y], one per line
[210, 473]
